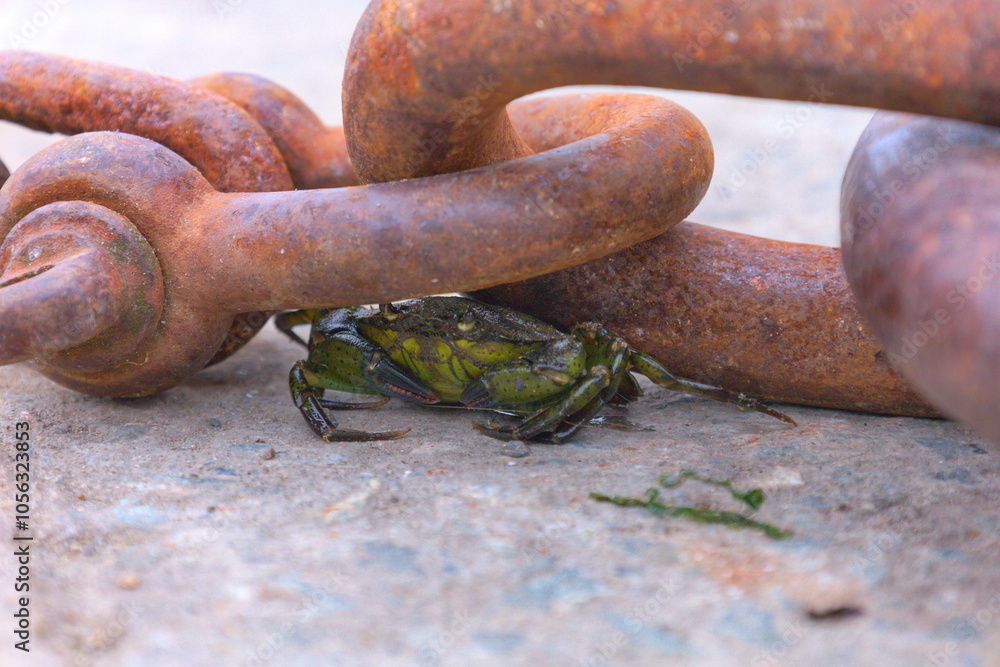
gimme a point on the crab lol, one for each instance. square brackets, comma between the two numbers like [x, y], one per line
[455, 351]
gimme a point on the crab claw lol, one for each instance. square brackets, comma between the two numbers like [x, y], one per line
[309, 400]
[477, 396]
[387, 377]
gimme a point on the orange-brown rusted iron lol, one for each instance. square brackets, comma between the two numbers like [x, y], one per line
[223, 253]
[731, 310]
[427, 80]
[80, 285]
[54, 93]
[427, 83]
[921, 239]
[58, 94]
[281, 138]
[315, 153]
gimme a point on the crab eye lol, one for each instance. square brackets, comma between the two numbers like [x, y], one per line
[467, 323]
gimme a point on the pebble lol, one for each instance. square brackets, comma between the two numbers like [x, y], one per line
[515, 449]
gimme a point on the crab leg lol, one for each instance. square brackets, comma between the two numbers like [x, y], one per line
[645, 364]
[293, 318]
[602, 349]
[331, 404]
[308, 399]
[629, 391]
[607, 363]
[578, 398]
[618, 373]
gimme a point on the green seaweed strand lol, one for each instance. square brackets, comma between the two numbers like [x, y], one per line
[753, 498]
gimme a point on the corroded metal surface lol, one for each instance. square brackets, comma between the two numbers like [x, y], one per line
[412, 110]
[54, 93]
[684, 297]
[921, 241]
[80, 285]
[58, 94]
[426, 81]
[275, 136]
[242, 252]
[315, 153]
[152, 190]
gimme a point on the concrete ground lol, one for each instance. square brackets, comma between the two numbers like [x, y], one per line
[208, 526]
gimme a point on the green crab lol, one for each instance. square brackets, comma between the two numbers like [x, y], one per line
[455, 351]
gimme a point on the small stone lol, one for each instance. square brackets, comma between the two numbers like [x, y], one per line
[835, 613]
[127, 581]
[515, 449]
[214, 423]
[268, 455]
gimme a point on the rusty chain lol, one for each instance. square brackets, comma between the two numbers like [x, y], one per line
[920, 218]
[279, 250]
[568, 188]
